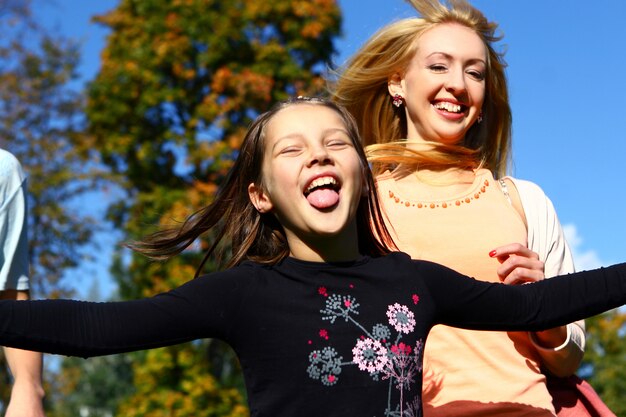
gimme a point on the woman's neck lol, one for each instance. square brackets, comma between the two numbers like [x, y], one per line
[433, 176]
[433, 184]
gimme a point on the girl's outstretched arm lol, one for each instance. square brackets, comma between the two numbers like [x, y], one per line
[201, 308]
[473, 304]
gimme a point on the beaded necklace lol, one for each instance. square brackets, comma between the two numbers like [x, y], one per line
[457, 202]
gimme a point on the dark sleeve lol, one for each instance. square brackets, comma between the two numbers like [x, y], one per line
[203, 307]
[465, 302]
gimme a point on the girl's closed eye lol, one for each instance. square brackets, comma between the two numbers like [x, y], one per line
[338, 143]
[290, 148]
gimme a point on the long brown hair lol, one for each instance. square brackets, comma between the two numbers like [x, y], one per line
[361, 86]
[252, 235]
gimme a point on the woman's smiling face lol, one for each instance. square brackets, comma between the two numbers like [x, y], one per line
[444, 84]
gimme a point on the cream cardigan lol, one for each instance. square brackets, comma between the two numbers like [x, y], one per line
[546, 238]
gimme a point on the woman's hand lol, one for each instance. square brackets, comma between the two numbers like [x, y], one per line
[518, 264]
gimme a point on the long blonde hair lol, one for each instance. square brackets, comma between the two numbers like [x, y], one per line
[361, 86]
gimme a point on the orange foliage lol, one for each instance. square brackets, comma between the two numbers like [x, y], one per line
[312, 30]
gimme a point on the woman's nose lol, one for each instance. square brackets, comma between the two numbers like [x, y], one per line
[455, 83]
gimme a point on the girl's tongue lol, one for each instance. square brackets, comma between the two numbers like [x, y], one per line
[323, 198]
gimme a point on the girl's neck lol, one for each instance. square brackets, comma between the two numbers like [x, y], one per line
[337, 248]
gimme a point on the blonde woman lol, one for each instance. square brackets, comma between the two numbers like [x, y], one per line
[430, 97]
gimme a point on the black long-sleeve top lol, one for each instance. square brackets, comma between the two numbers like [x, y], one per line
[315, 339]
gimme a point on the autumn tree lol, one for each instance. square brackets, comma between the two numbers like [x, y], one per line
[604, 363]
[42, 123]
[180, 81]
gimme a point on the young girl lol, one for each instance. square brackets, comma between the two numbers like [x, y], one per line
[324, 319]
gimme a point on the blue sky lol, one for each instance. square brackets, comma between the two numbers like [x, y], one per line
[567, 81]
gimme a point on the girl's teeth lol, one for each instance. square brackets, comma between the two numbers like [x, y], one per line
[320, 182]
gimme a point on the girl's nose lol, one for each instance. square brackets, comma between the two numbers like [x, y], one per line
[320, 156]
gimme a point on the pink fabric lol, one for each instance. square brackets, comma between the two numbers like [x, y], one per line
[575, 397]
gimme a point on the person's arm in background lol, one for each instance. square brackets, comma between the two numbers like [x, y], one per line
[561, 349]
[26, 367]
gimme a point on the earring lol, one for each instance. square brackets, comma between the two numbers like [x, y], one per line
[480, 117]
[398, 100]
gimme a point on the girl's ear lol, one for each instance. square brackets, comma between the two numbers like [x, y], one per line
[365, 188]
[394, 85]
[260, 200]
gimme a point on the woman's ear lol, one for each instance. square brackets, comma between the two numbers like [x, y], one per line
[394, 85]
[260, 200]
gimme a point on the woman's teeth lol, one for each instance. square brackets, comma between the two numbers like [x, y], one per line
[450, 107]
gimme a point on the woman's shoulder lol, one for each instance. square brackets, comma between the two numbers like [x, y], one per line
[525, 186]
[385, 176]
[529, 192]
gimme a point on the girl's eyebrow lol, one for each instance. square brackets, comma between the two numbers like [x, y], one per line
[294, 135]
[297, 135]
[336, 129]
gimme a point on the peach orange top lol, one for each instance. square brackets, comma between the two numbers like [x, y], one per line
[468, 373]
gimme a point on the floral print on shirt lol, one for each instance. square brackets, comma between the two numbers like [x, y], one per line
[393, 362]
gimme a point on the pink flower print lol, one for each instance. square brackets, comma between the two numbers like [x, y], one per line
[401, 318]
[322, 291]
[416, 298]
[351, 286]
[347, 303]
[331, 379]
[324, 334]
[370, 355]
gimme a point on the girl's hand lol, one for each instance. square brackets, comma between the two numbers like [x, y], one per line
[518, 264]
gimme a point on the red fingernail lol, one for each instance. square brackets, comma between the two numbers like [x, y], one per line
[492, 253]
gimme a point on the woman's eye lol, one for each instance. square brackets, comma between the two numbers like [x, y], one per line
[437, 68]
[477, 75]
